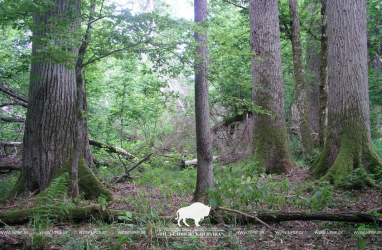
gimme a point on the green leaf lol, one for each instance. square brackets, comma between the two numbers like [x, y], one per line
[361, 244]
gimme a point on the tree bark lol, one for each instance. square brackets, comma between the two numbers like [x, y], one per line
[205, 178]
[313, 62]
[348, 142]
[271, 143]
[52, 119]
[299, 79]
[323, 77]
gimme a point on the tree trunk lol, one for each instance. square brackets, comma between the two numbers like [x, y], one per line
[271, 143]
[205, 178]
[323, 77]
[299, 78]
[313, 62]
[53, 122]
[348, 142]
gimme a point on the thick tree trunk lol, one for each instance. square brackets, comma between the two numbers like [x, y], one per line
[271, 146]
[313, 62]
[52, 122]
[299, 79]
[323, 77]
[205, 177]
[348, 142]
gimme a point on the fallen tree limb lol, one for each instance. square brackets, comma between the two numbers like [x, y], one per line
[17, 217]
[222, 159]
[13, 104]
[10, 119]
[127, 174]
[13, 94]
[111, 149]
[10, 168]
[10, 144]
[244, 214]
[91, 142]
[194, 162]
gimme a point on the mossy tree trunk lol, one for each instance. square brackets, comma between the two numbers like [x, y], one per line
[348, 142]
[299, 79]
[271, 146]
[205, 177]
[56, 135]
[323, 77]
[313, 62]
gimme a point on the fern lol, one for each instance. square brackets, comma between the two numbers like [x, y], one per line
[57, 190]
[54, 195]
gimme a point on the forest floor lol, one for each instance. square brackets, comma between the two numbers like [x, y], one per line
[161, 200]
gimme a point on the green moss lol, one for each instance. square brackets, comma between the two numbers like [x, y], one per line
[271, 146]
[354, 152]
[321, 166]
[89, 183]
[77, 213]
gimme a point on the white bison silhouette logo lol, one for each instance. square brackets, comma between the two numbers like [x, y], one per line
[196, 211]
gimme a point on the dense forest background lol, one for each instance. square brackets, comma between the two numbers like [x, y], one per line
[115, 114]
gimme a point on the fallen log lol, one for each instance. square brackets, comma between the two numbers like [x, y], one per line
[22, 216]
[110, 148]
[244, 214]
[92, 142]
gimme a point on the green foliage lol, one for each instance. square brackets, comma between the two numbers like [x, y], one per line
[356, 180]
[378, 175]
[56, 192]
[102, 202]
[252, 169]
[7, 183]
[322, 196]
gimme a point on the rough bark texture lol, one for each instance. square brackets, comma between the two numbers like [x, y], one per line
[205, 178]
[313, 62]
[348, 142]
[271, 146]
[323, 114]
[299, 79]
[52, 119]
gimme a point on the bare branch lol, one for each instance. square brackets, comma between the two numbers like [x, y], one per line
[13, 94]
[236, 5]
[13, 104]
[10, 119]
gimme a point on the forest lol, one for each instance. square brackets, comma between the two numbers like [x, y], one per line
[164, 124]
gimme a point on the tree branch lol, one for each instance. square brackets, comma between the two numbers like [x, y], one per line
[127, 174]
[13, 104]
[110, 148]
[94, 59]
[236, 5]
[13, 94]
[10, 119]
